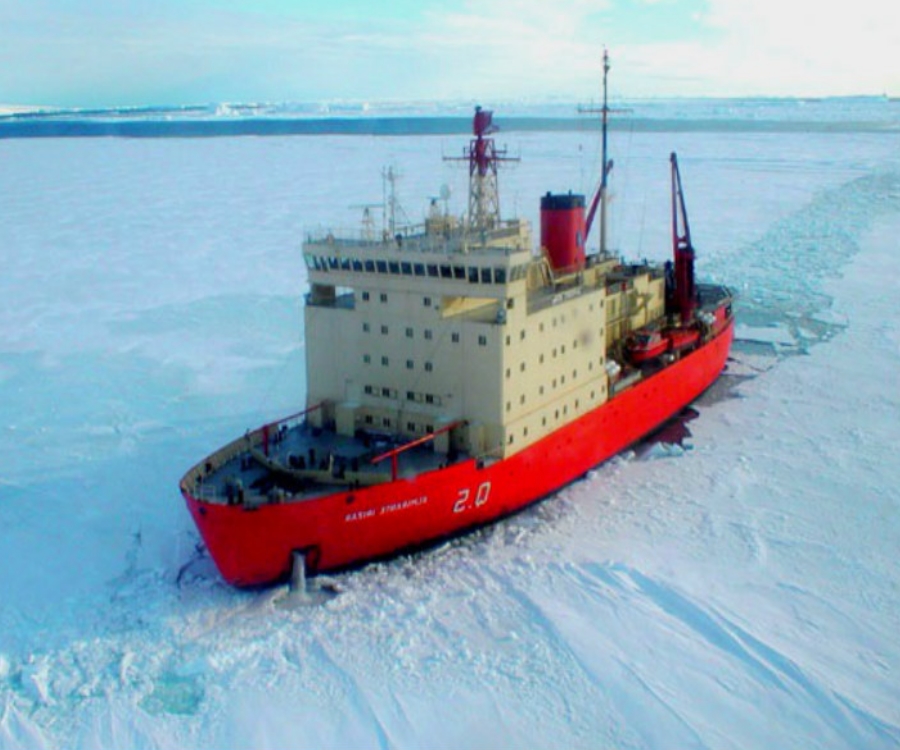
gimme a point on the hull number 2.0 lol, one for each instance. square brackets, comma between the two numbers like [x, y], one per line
[465, 501]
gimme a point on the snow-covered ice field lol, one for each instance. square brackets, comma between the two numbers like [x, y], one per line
[740, 590]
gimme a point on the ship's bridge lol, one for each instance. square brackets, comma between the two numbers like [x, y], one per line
[443, 257]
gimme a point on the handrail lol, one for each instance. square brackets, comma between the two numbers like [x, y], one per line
[394, 452]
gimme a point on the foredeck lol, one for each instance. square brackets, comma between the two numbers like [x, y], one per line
[293, 461]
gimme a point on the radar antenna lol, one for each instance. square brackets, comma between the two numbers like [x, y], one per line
[483, 158]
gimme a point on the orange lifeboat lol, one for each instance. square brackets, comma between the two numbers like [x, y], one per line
[645, 346]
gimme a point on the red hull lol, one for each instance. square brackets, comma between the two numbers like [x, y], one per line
[254, 546]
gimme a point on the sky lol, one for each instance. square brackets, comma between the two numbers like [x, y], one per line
[146, 52]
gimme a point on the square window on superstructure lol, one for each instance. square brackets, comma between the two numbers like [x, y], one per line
[433, 270]
[473, 275]
[365, 327]
[394, 266]
[429, 398]
[357, 265]
[410, 396]
[459, 272]
[454, 337]
[428, 367]
[428, 334]
[383, 297]
[419, 269]
[409, 364]
[386, 421]
[385, 361]
[368, 389]
[370, 266]
[410, 426]
[369, 419]
[521, 367]
[409, 333]
[485, 275]
[482, 340]
[426, 301]
[384, 330]
[406, 268]
[522, 335]
[381, 266]
[499, 275]
[365, 296]
[367, 358]
[386, 392]
[446, 272]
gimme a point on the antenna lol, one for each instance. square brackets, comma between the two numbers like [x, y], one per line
[483, 158]
[600, 197]
[392, 210]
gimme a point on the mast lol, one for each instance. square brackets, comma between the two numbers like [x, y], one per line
[607, 165]
[483, 158]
